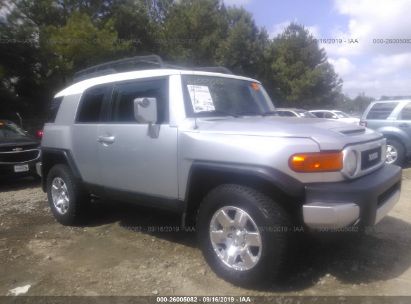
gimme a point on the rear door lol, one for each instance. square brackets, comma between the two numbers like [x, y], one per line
[132, 160]
[90, 115]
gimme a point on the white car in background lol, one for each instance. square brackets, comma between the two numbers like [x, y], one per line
[335, 115]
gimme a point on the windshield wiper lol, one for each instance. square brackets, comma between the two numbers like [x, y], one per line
[270, 113]
[225, 113]
[245, 113]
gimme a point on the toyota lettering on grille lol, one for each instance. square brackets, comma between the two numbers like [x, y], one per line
[372, 156]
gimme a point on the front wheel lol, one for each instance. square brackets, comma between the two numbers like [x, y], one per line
[395, 152]
[242, 234]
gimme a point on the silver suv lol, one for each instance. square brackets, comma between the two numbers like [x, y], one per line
[392, 118]
[208, 145]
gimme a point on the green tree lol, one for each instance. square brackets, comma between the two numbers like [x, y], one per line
[192, 32]
[299, 70]
[243, 46]
[80, 43]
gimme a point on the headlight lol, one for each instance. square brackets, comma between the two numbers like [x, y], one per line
[350, 163]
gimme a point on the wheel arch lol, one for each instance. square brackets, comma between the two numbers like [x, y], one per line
[205, 176]
[51, 157]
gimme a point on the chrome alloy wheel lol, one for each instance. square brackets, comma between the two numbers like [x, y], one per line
[235, 238]
[391, 155]
[59, 195]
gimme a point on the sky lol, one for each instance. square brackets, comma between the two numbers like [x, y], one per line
[365, 66]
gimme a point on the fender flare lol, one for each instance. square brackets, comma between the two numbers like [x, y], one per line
[52, 156]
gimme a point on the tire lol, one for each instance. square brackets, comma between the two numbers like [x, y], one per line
[396, 149]
[74, 211]
[264, 213]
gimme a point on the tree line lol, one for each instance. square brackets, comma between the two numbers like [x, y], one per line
[43, 42]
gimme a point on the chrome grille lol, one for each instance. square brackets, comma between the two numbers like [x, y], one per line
[16, 157]
[370, 156]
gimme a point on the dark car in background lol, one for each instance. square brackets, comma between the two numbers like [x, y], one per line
[392, 118]
[293, 112]
[19, 152]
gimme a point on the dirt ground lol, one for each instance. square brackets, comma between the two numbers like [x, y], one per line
[122, 252]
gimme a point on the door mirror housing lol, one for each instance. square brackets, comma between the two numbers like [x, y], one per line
[145, 110]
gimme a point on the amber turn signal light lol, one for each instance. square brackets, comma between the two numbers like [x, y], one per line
[316, 162]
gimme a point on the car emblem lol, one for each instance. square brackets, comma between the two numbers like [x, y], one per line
[372, 156]
[17, 149]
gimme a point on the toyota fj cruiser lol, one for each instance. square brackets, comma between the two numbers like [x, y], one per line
[207, 144]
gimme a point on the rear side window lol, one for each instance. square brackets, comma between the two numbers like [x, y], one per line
[122, 105]
[330, 115]
[405, 113]
[91, 105]
[319, 114]
[381, 110]
[53, 109]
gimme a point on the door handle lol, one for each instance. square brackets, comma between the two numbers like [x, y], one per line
[403, 125]
[108, 140]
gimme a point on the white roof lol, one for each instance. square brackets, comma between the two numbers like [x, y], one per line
[83, 85]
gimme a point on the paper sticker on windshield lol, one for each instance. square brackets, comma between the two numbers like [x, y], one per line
[201, 98]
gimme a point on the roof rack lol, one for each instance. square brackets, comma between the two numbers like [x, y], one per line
[137, 63]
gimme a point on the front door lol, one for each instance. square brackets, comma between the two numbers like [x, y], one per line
[131, 159]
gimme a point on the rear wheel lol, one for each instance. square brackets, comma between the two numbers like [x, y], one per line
[67, 199]
[395, 152]
[242, 234]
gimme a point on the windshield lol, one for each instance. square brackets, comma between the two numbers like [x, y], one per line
[10, 130]
[341, 114]
[305, 114]
[220, 96]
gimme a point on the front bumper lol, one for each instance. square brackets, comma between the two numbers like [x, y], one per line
[7, 170]
[363, 201]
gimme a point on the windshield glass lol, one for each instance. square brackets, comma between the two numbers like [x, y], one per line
[10, 130]
[341, 114]
[306, 114]
[221, 96]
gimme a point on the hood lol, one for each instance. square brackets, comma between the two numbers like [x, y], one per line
[330, 135]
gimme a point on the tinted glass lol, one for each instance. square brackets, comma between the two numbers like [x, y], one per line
[91, 105]
[381, 110]
[406, 113]
[122, 107]
[53, 109]
[221, 96]
[10, 130]
[318, 114]
[330, 115]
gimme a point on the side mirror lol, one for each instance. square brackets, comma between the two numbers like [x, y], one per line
[145, 110]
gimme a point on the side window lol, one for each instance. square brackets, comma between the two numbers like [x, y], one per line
[329, 115]
[319, 114]
[122, 105]
[53, 109]
[91, 105]
[381, 110]
[405, 113]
